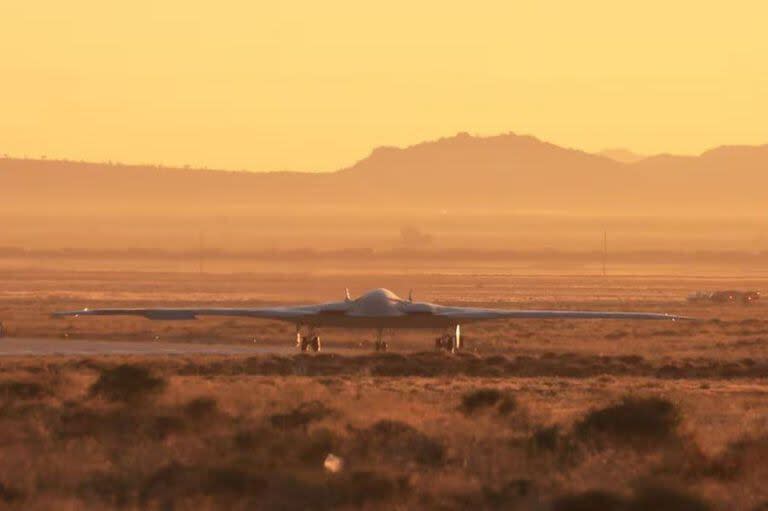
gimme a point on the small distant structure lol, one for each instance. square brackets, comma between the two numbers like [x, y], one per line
[413, 237]
[726, 296]
[699, 296]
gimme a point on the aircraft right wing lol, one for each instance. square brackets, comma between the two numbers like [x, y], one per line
[277, 313]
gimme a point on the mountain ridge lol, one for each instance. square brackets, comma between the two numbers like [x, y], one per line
[461, 171]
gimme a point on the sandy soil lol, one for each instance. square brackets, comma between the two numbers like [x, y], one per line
[535, 415]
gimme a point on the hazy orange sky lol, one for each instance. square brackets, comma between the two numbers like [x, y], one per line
[311, 85]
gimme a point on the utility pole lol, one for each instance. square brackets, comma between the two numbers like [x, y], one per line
[605, 250]
[200, 255]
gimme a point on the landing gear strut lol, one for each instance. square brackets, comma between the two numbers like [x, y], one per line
[449, 341]
[309, 342]
[380, 344]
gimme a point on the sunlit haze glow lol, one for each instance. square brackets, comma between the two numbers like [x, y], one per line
[308, 85]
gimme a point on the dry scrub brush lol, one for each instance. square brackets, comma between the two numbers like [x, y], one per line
[97, 434]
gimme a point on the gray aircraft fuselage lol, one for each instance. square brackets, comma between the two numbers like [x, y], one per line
[380, 308]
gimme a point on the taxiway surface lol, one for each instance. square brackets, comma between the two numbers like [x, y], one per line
[11, 346]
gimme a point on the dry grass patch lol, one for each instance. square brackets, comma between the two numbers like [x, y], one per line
[645, 498]
[637, 421]
[228, 439]
[489, 398]
[13, 390]
[127, 383]
[301, 416]
[395, 442]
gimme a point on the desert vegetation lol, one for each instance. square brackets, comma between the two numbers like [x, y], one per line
[214, 432]
[534, 415]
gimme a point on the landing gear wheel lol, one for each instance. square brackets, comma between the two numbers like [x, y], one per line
[446, 343]
[309, 343]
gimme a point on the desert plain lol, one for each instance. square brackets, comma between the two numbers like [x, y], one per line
[561, 415]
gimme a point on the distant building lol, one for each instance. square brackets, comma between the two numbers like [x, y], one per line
[411, 236]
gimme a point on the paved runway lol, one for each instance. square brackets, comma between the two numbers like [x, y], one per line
[10, 346]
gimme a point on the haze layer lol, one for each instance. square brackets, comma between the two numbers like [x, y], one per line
[314, 85]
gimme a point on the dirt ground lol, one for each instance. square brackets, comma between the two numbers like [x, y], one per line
[561, 415]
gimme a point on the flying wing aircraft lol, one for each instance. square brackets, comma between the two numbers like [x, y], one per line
[379, 309]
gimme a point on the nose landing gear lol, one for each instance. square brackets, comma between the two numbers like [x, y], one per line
[380, 344]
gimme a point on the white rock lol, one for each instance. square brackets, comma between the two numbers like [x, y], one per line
[333, 463]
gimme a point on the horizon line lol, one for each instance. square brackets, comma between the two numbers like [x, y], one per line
[460, 134]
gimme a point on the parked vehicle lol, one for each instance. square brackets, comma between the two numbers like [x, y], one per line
[726, 296]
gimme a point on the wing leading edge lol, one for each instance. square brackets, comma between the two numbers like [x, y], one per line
[420, 311]
[479, 314]
[280, 313]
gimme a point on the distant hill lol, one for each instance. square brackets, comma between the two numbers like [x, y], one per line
[621, 155]
[508, 171]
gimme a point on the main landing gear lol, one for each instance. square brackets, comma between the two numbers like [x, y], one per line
[449, 341]
[309, 342]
